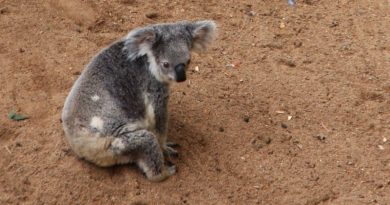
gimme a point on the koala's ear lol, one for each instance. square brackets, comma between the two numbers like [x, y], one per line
[202, 32]
[139, 42]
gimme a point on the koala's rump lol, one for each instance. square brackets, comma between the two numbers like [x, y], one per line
[105, 95]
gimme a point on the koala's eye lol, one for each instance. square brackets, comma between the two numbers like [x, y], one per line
[166, 65]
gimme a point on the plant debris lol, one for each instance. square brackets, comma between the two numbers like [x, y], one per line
[16, 117]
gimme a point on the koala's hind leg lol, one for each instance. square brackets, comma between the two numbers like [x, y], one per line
[149, 156]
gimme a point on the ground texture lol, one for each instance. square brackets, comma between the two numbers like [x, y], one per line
[289, 105]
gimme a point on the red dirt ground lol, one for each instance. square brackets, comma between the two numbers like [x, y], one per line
[325, 63]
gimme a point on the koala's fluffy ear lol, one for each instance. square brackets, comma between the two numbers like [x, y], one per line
[139, 42]
[202, 32]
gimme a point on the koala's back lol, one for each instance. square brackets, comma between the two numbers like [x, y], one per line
[105, 100]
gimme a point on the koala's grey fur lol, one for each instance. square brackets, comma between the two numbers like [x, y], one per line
[116, 112]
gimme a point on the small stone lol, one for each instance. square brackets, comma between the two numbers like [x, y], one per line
[246, 119]
[289, 117]
[196, 69]
[334, 24]
[284, 125]
[251, 13]
[282, 25]
[287, 61]
[260, 142]
[78, 30]
[18, 144]
[291, 2]
[230, 65]
[297, 44]
[66, 150]
[320, 137]
[4, 10]
[381, 147]
[151, 15]
[384, 139]
[221, 129]
[76, 73]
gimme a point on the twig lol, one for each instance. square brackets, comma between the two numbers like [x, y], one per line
[6, 147]
[322, 124]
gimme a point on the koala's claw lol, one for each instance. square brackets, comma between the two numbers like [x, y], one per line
[170, 152]
[172, 144]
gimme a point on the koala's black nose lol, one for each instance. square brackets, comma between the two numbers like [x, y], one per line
[180, 71]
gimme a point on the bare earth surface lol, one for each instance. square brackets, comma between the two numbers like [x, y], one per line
[324, 63]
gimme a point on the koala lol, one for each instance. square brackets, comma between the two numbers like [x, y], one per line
[116, 111]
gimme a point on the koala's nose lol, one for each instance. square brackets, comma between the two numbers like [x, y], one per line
[180, 71]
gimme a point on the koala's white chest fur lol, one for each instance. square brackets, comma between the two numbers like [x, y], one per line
[150, 117]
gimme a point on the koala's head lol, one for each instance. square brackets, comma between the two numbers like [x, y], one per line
[168, 46]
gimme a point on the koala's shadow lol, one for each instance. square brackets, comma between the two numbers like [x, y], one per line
[191, 139]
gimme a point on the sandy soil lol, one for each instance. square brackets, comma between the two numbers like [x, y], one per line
[324, 63]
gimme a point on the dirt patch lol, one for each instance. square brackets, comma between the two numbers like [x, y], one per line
[291, 105]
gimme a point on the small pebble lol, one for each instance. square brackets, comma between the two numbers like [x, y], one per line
[151, 15]
[384, 139]
[221, 129]
[251, 13]
[381, 147]
[4, 10]
[288, 62]
[289, 117]
[196, 69]
[334, 24]
[230, 65]
[320, 137]
[297, 44]
[246, 119]
[78, 30]
[284, 125]
[21, 50]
